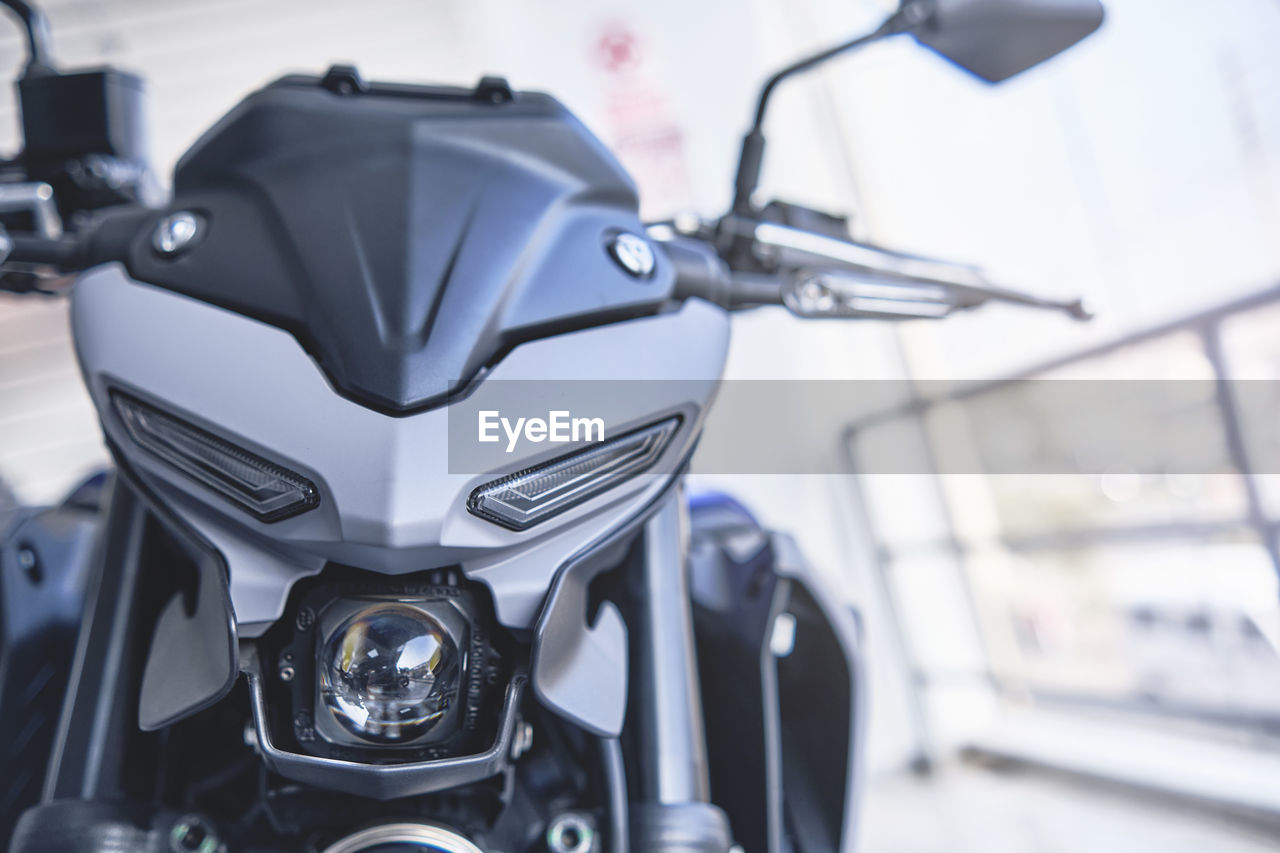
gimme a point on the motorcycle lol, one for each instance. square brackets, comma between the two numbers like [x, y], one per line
[330, 598]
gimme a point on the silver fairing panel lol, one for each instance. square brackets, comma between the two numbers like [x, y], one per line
[388, 500]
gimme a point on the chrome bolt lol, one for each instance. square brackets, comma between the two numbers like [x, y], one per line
[522, 740]
[287, 673]
[193, 834]
[175, 233]
[687, 223]
[814, 297]
[27, 561]
[571, 833]
[633, 253]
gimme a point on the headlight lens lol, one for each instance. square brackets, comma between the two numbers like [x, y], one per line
[389, 673]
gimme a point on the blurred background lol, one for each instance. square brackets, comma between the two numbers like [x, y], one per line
[1056, 662]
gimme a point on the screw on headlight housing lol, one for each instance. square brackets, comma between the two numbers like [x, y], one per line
[193, 834]
[571, 833]
[522, 741]
[176, 233]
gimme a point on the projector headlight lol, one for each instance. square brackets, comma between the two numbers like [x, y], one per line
[256, 485]
[370, 668]
[522, 500]
[389, 672]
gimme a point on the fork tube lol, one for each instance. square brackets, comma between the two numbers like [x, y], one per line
[669, 710]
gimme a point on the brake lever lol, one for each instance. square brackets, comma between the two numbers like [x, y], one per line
[818, 275]
[845, 293]
[830, 277]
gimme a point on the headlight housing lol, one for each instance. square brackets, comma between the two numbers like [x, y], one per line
[370, 668]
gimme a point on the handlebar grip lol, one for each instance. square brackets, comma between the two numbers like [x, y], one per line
[108, 238]
[41, 251]
[700, 272]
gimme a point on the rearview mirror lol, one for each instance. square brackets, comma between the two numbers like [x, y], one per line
[996, 39]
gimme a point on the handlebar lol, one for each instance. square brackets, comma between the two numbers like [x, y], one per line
[813, 275]
[30, 258]
[817, 276]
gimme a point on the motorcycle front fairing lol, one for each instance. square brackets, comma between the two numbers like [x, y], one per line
[345, 273]
[368, 261]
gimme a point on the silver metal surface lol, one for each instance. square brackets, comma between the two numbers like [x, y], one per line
[389, 500]
[633, 253]
[800, 247]
[175, 233]
[673, 768]
[437, 837]
[570, 833]
[523, 740]
[382, 781]
[206, 838]
[782, 639]
[879, 282]
[36, 197]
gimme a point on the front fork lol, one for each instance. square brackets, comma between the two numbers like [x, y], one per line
[671, 808]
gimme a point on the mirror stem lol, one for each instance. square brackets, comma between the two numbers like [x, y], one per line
[911, 13]
[36, 28]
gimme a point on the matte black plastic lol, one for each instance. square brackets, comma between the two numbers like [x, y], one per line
[781, 764]
[65, 116]
[97, 725]
[45, 564]
[996, 39]
[818, 747]
[191, 659]
[736, 597]
[88, 826]
[407, 236]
